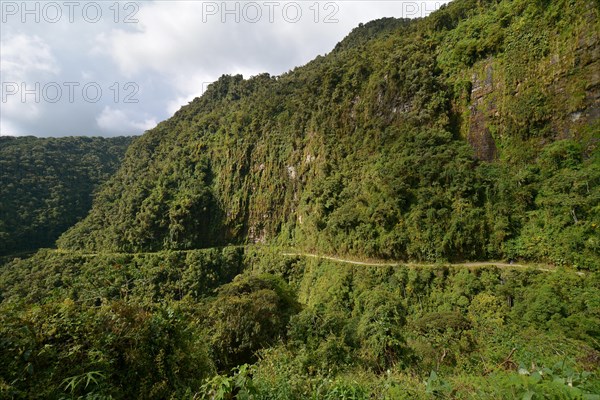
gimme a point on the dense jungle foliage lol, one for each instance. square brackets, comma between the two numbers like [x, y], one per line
[253, 323]
[471, 134]
[47, 185]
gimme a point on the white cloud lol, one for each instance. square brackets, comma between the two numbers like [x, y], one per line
[187, 43]
[26, 61]
[172, 53]
[25, 57]
[118, 121]
[7, 128]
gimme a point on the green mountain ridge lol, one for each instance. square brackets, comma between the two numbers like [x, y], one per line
[468, 135]
[47, 185]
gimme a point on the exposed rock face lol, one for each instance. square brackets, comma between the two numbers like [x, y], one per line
[588, 55]
[568, 81]
[479, 135]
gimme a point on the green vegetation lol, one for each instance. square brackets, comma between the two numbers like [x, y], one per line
[152, 326]
[468, 135]
[47, 185]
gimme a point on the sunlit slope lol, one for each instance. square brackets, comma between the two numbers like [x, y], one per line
[468, 135]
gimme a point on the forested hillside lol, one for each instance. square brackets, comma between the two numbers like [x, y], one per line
[470, 134]
[47, 185]
[222, 260]
[253, 323]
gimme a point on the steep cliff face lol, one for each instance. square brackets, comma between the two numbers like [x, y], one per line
[483, 110]
[543, 85]
[376, 148]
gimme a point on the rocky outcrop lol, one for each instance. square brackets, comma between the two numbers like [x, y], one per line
[479, 135]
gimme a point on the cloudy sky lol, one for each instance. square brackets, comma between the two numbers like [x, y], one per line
[117, 68]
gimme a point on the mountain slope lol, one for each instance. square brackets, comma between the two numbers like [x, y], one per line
[469, 134]
[161, 325]
[46, 185]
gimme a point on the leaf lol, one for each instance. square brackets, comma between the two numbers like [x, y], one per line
[528, 395]
[591, 397]
[558, 379]
[90, 377]
[71, 383]
[536, 377]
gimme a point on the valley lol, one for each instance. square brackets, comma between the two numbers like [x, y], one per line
[247, 247]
